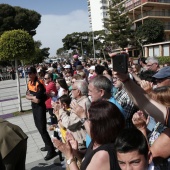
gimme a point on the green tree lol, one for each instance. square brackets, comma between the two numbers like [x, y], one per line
[152, 31]
[16, 45]
[18, 18]
[118, 26]
[40, 54]
[82, 41]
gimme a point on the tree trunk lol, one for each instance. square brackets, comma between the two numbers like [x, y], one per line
[18, 87]
[25, 77]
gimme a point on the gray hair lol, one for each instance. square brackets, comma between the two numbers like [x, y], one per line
[152, 60]
[102, 82]
[82, 86]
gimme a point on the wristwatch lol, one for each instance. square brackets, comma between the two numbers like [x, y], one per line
[69, 161]
[82, 120]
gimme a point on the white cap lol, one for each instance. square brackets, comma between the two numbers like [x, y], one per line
[50, 69]
[92, 68]
[67, 66]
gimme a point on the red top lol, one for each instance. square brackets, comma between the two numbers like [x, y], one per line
[50, 87]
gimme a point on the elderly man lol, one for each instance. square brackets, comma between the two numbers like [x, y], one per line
[152, 64]
[72, 122]
[100, 88]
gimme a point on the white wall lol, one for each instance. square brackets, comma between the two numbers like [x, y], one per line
[96, 15]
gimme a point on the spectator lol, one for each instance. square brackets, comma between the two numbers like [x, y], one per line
[152, 63]
[132, 150]
[163, 77]
[124, 100]
[100, 153]
[76, 60]
[50, 91]
[61, 86]
[13, 146]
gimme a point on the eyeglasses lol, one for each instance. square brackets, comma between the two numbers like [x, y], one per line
[74, 89]
[149, 65]
[115, 79]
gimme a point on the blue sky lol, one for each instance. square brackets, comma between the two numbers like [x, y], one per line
[59, 18]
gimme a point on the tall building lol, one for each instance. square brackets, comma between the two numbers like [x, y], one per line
[97, 13]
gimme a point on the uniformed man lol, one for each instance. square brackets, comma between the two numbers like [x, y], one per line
[37, 94]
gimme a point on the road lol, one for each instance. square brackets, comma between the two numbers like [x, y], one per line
[9, 97]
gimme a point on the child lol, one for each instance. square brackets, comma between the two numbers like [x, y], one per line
[61, 108]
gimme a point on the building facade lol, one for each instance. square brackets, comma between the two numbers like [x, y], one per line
[97, 10]
[140, 10]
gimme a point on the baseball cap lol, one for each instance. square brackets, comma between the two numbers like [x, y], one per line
[92, 68]
[75, 56]
[32, 70]
[50, 69]
[163, 73]
[67, 66]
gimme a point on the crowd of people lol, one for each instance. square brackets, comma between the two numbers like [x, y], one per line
[103, 119]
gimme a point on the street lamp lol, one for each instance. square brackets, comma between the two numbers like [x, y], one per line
[82, 38]
[93, 45]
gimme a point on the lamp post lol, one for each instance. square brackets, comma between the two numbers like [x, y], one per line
[81, 48]
[93, 45]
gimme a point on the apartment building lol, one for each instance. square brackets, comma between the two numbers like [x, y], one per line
[97, 10]
[140, 10]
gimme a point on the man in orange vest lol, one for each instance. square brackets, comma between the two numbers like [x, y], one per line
[37, 94]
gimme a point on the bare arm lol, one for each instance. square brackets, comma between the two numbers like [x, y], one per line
[161, 146]
[100, 161]
[147, 105]
[141, 99]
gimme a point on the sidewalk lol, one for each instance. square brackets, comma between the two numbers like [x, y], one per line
[35, 158]
[9, 105]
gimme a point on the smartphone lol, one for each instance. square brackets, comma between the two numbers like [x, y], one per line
[120, 63]
[151, 123]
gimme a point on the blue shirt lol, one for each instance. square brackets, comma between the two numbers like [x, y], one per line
[114, 101]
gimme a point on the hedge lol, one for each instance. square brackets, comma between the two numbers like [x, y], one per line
[164, 60]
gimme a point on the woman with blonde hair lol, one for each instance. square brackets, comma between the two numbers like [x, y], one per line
[161, 95]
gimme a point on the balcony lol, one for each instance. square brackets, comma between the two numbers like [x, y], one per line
[88, 3]
[167, 26]
[159, 1]
[103, 1]
[155, 13]
[130, 5]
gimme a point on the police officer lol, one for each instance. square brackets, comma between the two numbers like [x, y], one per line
[37, 94]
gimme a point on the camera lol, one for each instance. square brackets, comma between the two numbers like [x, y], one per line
[120, 63]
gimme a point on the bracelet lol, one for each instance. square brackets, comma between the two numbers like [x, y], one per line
[124, 81]
[59, 120]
